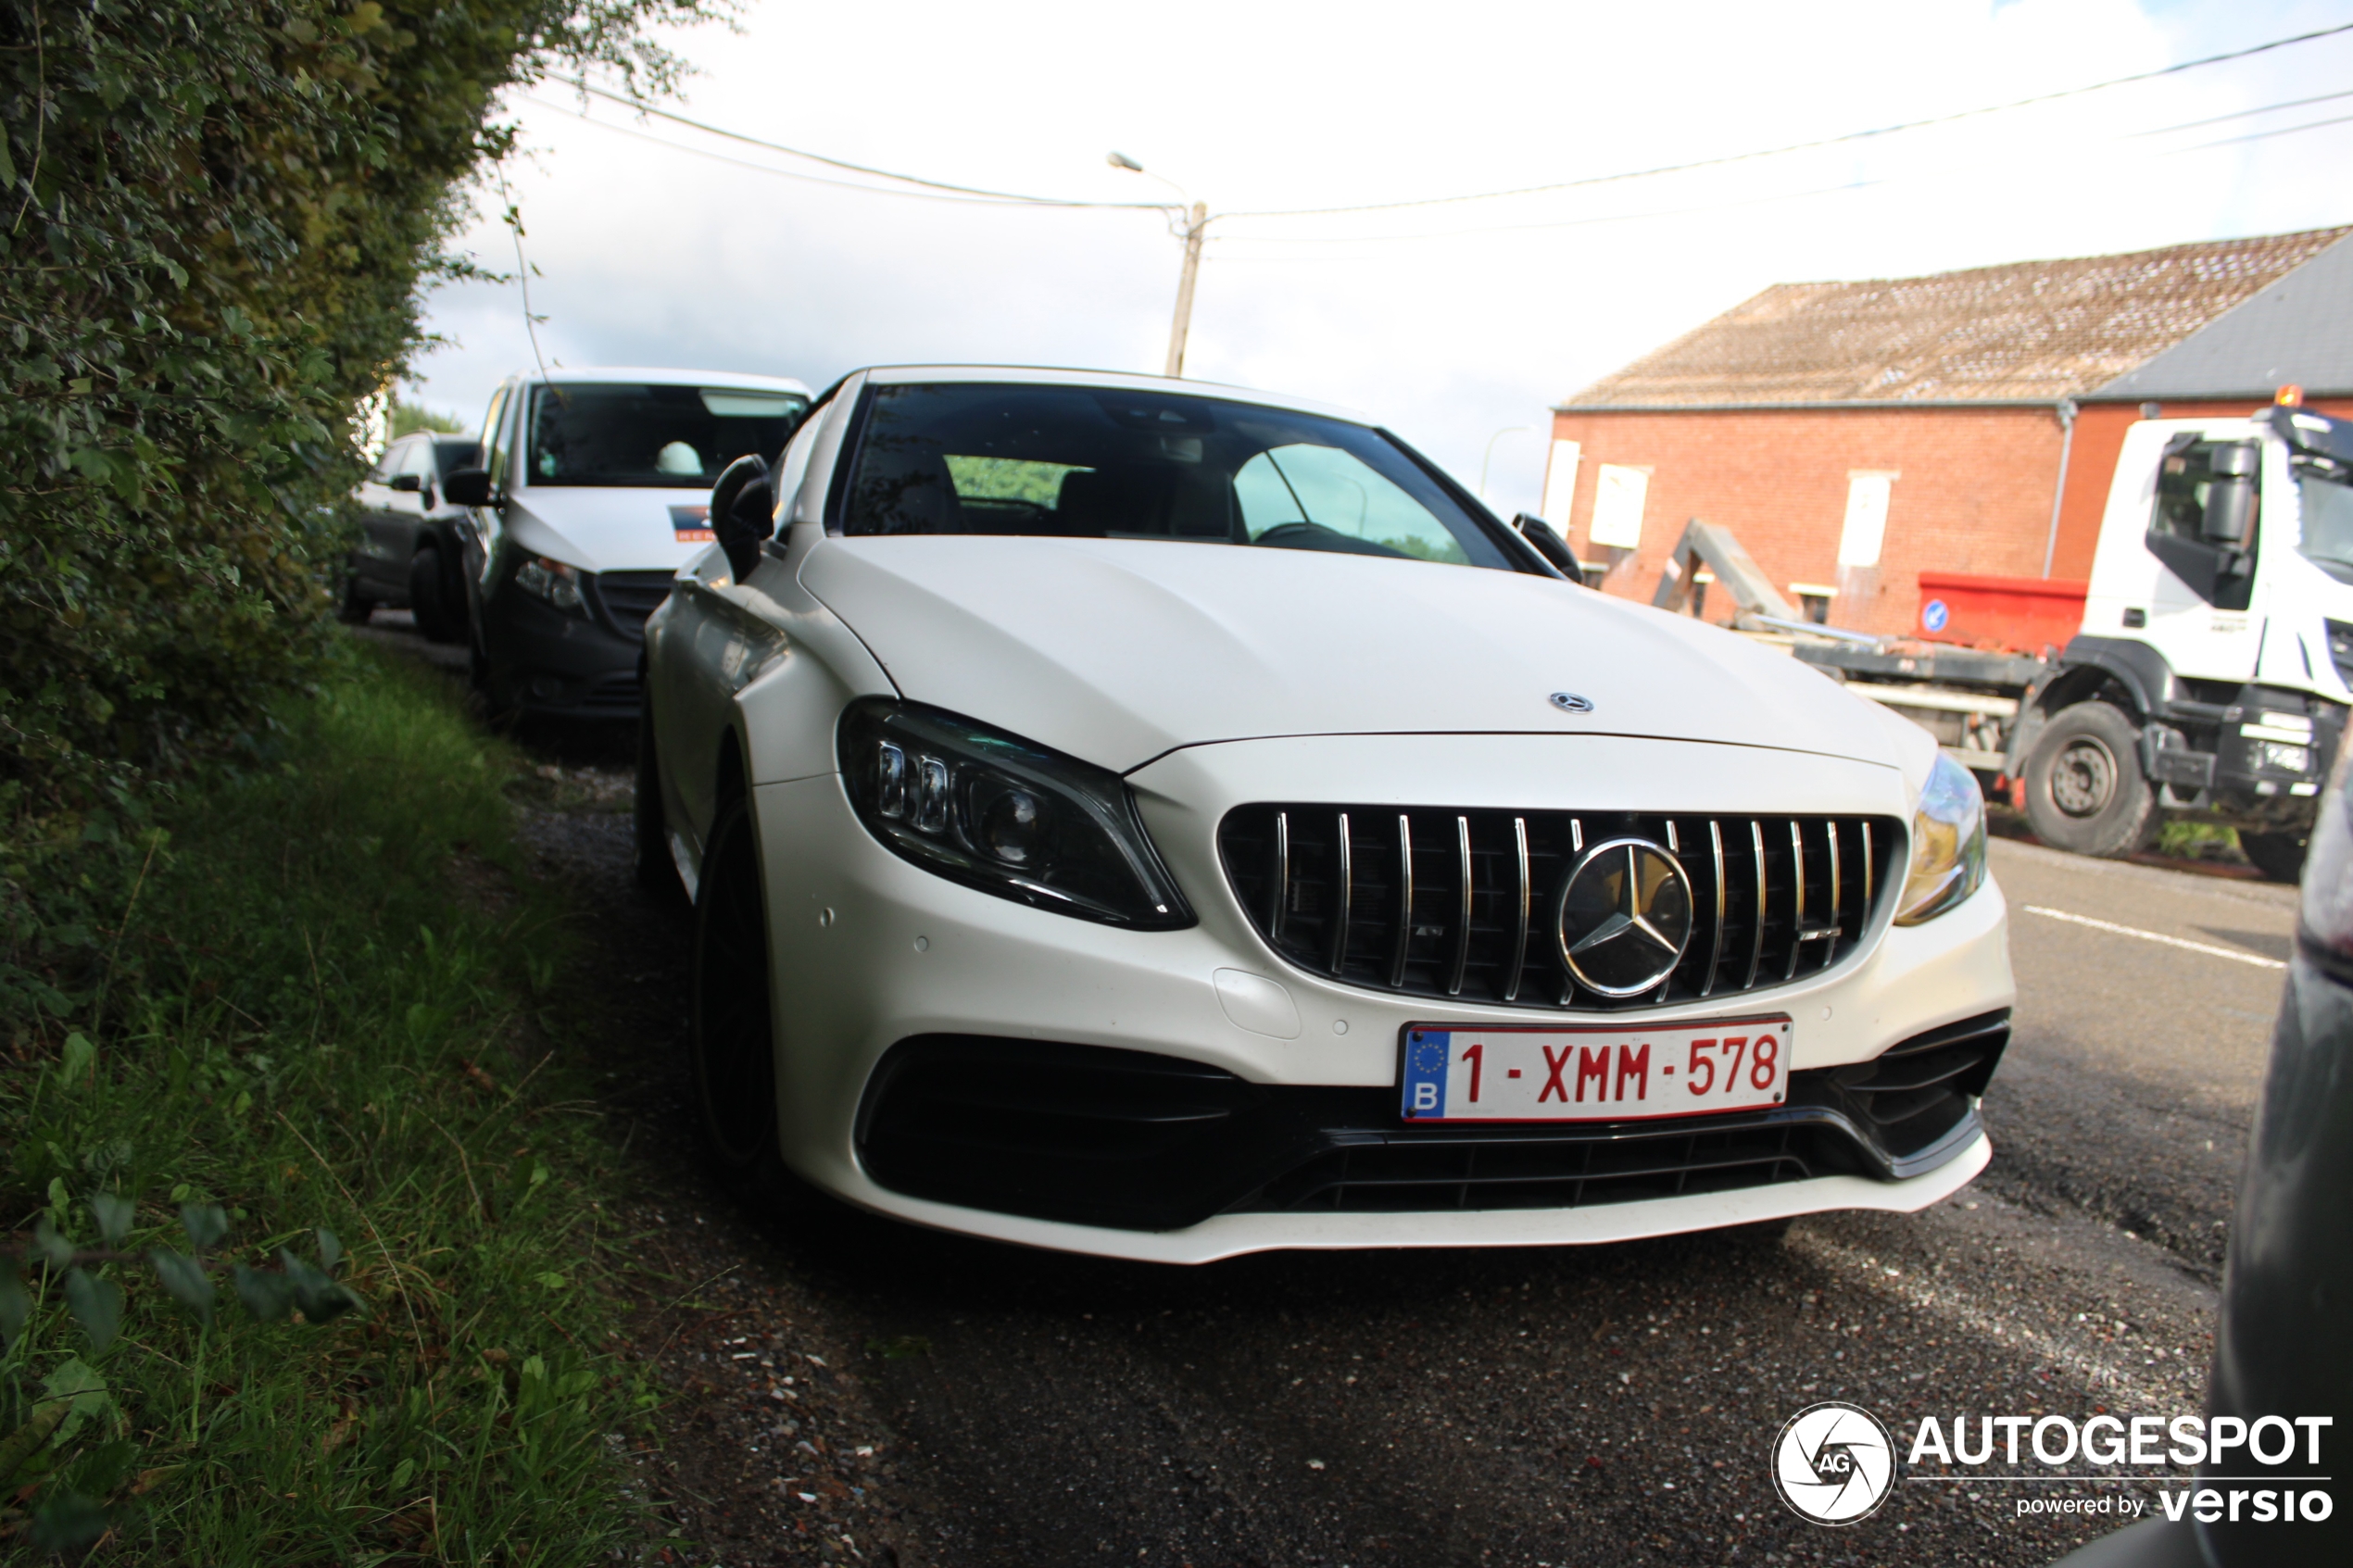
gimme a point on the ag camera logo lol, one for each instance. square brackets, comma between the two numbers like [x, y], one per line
[1834, 1463]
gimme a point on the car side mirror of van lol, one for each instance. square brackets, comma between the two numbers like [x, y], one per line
[2230, 495]
[467, 487]
[408, 482]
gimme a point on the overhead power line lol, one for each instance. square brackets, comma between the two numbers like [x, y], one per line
[1843, 185]
[1013, 197]
[2246, 114]
[1839, 140]
[1725, 205]
[976, 194]
[795, 174]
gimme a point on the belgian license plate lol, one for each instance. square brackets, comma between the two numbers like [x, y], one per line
[1599, 1072]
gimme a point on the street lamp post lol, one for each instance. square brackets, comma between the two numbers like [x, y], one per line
[1198, 220]
[1490, 454]
[1195, 217]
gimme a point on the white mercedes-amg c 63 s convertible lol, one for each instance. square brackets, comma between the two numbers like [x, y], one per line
[1157, 820]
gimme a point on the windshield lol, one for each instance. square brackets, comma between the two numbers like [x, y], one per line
[2327, 498]
[1101, 463]
[671, 437]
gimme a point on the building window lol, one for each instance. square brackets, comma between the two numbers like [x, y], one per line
[1866, 528]
[1618, 494]
[1814, 601]
[1560, 483]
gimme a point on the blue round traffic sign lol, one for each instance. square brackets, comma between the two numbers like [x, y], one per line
[1935, 614]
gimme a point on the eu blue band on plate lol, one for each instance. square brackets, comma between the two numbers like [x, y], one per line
[1425, 1076]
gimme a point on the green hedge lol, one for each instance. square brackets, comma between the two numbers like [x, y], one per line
[215, 216]
[215, 221]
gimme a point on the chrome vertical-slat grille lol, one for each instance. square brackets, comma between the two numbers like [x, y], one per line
[1465, 903]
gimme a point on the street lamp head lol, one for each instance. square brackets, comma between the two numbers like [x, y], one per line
[1121, 161]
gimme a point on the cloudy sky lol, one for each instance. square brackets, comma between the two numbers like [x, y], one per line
[1457, 322]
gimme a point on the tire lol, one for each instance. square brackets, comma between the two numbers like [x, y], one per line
[657, 871]
[429, 597]
[356, 606]
[2279, 856]
[2084, 789]
[732, 1047]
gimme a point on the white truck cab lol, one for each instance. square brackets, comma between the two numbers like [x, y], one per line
[2210, 676]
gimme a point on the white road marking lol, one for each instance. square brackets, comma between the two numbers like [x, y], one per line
[2207, 947]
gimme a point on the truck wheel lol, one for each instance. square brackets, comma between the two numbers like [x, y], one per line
[2279, 856]
[2085, 791]
[356, 606]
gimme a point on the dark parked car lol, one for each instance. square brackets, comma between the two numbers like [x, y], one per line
[408, 554]
[2283, 1347]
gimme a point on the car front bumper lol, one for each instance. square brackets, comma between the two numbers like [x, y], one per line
[870, 951]
[561, 663]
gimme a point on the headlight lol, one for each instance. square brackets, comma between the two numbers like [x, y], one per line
[1007, 816]
[549, 580]
[1948, 844]
[2325, 922]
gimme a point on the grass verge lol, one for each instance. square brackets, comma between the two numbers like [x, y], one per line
[311, 1005]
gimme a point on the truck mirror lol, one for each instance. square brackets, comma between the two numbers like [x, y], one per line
[2229, 506]
[467, 487]
[409, 482]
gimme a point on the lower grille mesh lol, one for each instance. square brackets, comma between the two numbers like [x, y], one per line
[628, 597]
[1435, 902]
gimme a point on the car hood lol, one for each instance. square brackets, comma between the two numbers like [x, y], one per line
[600, 529]
[1118, 651]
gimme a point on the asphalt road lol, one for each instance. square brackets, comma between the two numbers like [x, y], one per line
[1592, 1406]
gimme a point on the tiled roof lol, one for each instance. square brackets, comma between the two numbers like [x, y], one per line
[2028, 330]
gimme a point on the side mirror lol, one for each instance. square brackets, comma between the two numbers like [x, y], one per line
[408, 482]
[1547, 543]
[740, 506]
[2230, 495]
[467, 487]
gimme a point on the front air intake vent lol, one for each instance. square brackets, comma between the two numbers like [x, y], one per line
[1466, 904]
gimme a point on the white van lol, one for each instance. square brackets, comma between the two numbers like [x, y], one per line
[592, 492]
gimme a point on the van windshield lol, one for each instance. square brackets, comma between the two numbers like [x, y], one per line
[2327, 499]
[1105, 463]
[662, 437]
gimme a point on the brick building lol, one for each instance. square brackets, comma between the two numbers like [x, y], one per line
[1854, 435]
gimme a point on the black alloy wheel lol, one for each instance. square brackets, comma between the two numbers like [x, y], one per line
[2084, 789]
[429, 597]
[2279, 856]
[731, 1050]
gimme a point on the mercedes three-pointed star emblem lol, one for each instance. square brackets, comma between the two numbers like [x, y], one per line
[1624, 917]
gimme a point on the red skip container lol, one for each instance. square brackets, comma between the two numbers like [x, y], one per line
[2021, 614]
